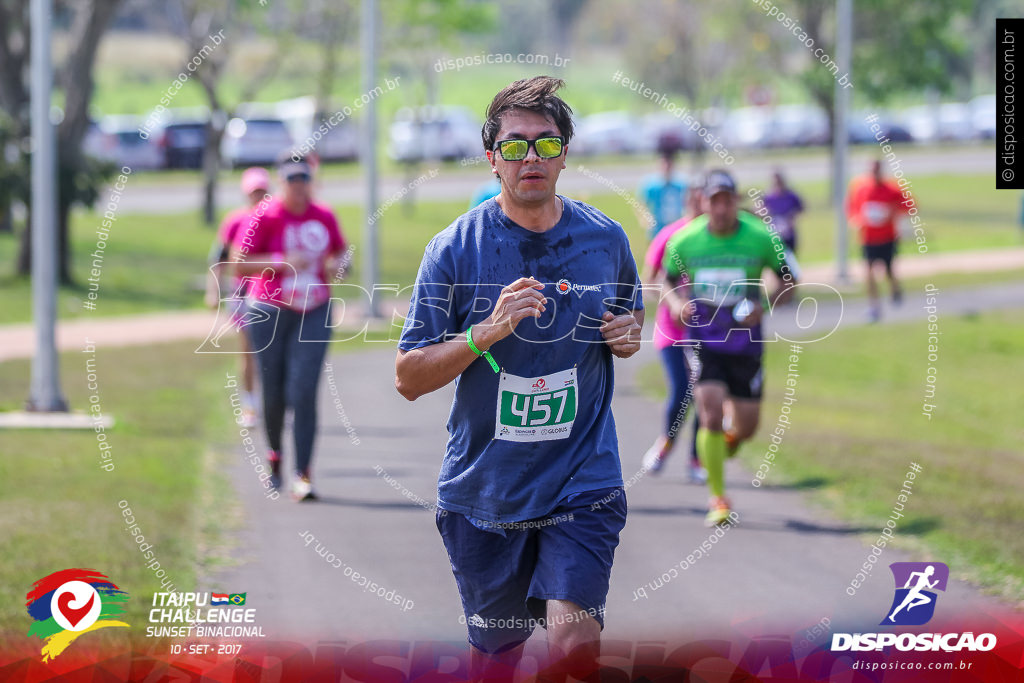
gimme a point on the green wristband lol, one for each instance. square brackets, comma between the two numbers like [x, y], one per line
[486, 354]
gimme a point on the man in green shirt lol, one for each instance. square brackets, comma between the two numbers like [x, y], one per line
[714, 268]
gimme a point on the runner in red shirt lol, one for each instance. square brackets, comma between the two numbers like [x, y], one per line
[873, 205]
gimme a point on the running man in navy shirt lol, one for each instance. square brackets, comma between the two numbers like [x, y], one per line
[523, 302]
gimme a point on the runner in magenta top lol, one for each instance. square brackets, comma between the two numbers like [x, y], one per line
[668, 330]
[303, 241]
[290, 250]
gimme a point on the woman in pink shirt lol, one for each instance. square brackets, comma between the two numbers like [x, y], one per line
[668, 330]
[289, 254]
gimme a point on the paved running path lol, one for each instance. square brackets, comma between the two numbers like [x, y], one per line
[18, 341]
[786, 563]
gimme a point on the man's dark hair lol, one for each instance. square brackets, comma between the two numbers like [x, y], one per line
[669, 144]
[535, 94]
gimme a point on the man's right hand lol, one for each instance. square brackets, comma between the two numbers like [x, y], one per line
[519, 300]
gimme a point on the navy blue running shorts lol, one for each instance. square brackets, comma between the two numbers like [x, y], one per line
[505, 572]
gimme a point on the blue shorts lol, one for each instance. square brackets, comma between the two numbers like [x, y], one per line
[506, 572]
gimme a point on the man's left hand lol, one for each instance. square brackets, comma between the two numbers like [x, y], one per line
[621, 333]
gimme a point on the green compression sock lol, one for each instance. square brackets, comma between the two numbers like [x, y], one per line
[712, 450]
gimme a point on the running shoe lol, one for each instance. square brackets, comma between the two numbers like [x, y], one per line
[874, 314]
[718, 511]
[302, 488]
[697, 474]
[654, 458]
[274, 460]
[249, 418]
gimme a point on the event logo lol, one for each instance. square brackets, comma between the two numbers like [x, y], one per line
[913, 605]
[70, 603]
[914, 602]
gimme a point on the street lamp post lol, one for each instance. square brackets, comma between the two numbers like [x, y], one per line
[369, 31]
[45, 390]
[840, 140]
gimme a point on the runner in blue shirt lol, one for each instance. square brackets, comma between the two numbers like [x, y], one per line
[523, 302]
[664, 193]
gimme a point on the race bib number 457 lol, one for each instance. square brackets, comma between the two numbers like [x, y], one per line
[536, 408]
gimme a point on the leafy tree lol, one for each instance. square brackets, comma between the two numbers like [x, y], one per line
[79, 178]
[915, 48]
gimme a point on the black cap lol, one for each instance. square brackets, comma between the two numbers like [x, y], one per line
[718, 181]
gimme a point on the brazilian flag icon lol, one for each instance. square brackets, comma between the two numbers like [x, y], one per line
[237, 598]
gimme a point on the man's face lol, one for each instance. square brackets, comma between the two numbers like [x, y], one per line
[722, 209]
[298, 187]
[532, 180]
[876, 171]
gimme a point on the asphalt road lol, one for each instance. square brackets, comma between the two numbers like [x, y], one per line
[786, 565]
[458, 183]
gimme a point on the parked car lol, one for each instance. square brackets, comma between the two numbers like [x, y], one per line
[983, 116]
[610, 132]
[747, 128]
[182, 142]
[126, 147]
[339, 143]
[799, 125]
[434, 133]
[859, 129]
[254, 141]
[97, 143]
[937, 123]
[663, 126]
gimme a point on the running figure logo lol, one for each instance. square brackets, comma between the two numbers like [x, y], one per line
[914, 602]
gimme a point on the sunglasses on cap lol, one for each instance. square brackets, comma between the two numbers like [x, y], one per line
[517, 149]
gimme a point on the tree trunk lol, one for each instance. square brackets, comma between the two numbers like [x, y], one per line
[327, 74]
[14, 99]
[211, 166]
[64, 243]
[87, 30]
[826, 100]
[565, 13]
[25, 248]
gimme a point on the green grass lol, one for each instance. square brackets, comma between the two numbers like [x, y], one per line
[59, 509]
[134, 71]
[857, 425]
[959, 212]
[172, 444]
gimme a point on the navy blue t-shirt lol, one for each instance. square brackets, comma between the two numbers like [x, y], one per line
[551, 432]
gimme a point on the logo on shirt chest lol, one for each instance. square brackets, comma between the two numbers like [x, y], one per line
[564, 287]
[307, 236]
